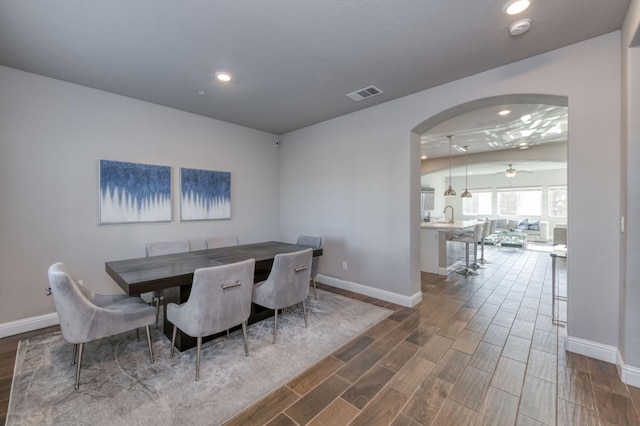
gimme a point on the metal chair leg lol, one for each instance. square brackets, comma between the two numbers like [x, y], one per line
[275, 326]
[79, 363]
[304, 310]
[75, 354]
[149, 343]
[482, 259]
[467, 269]
[477, 264]
[315, 292]
[199, 340]
[173, 341]
[227, 333]
[244, 335]
[157, 302]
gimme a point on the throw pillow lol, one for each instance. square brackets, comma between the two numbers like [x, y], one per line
[534, 226]
[512, 224]
[501, 223]
[523, 224]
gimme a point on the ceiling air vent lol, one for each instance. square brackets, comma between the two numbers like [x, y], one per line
[365, 93]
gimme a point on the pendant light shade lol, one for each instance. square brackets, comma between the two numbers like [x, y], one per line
[466, 193]
[450, 192]
[510, 172]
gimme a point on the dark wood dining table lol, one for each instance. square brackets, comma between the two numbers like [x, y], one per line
[173, 274]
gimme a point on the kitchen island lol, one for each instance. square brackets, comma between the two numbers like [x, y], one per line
[438, 254]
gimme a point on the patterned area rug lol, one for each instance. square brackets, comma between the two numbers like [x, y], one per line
[119, 386]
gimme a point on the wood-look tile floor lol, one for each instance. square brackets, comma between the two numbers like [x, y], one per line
[477, 351]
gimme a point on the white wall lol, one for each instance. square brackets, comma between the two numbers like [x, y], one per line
[630, 180]
[351, 180]
[346, 179]
[51, 137]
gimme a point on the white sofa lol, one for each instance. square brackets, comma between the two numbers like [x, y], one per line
[536, 230]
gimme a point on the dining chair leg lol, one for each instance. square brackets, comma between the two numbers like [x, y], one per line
[315, 292]
[157, 300]
[228, 333]
[244, 335]
[275, 326]
[149, 343]
[138, 334]
[482, 259]
[199, 340]
[173, 341]
[304, 310]
[79, 363]
[75, 354]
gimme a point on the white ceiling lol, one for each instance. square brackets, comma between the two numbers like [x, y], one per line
[484, 129]
[293, 61]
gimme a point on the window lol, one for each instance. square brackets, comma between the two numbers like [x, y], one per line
[558, 201]
[520, 202]
[478, 204]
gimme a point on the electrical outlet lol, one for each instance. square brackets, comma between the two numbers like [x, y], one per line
[344, 266]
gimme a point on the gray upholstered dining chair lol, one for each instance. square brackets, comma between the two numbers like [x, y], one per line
[287, 284]
[86, 316]
[220, 298]
[315, 242]
[217, 242]
[158, 249]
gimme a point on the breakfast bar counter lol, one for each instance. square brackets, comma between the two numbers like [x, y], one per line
[438, 254]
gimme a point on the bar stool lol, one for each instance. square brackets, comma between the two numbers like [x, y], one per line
[489, 228]
[470, 238]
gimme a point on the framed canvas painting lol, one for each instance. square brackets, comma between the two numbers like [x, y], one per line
[134, 192]
[205, 194]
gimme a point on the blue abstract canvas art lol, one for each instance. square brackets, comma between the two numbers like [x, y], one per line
[206, 194]
[134, 192]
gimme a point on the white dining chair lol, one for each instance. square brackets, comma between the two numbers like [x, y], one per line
[314, 242]
[220, 298]
[287, 284]
[86, 316]
[217, 242]
[159, 249]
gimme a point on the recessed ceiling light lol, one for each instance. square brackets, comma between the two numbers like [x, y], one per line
[504, 112]
[513, 7]
[223, 76]
[424, 157]
[201, 92]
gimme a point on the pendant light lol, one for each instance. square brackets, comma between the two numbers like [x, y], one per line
[510, 172]
[450, 192]
[466, 193]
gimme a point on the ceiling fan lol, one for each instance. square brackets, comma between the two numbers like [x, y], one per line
[512, 172]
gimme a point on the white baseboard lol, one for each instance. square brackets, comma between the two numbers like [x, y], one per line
[408, 301]
[591, 349]
[628, 374]
[28, 324]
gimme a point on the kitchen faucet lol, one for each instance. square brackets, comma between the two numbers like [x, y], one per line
[445, 212]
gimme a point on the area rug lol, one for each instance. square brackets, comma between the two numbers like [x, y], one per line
[119, 386]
